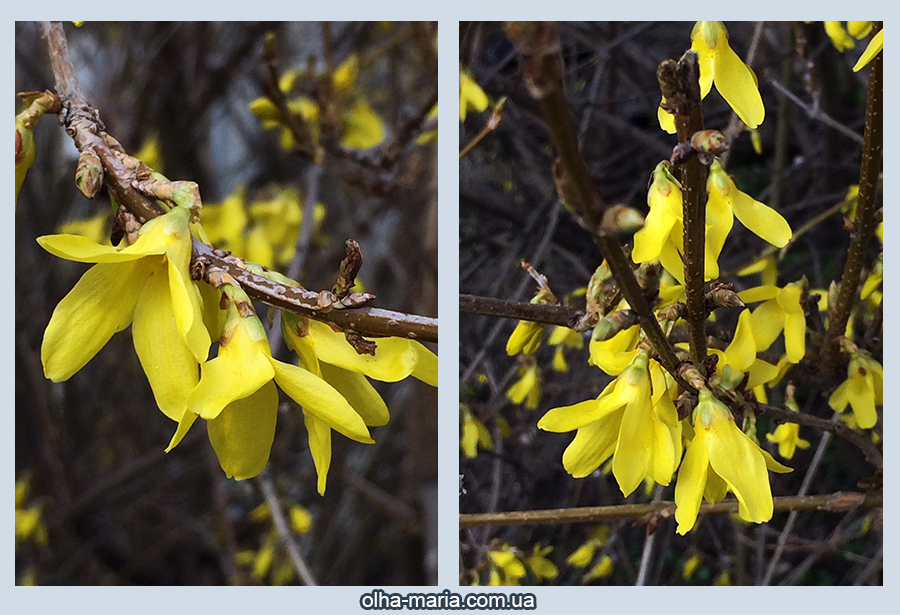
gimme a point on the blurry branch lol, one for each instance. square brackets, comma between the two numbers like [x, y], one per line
[492, 124]
[841, 501]
[539, 46]
[815, 112]
[284, 531]
[865, 222]
[123, 174]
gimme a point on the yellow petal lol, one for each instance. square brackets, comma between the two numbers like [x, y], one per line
[795, 336]
[359, 393]
[187, 420]
[169, 364]
[101, 304]
[593, 444]
[186, 299]
[738, 460]
[762, 220]
[875, 46]
[759, 293]
[361, 127]
[634, 448]
[768, 321]
[242, 434]
[737, 85]
[576, 416]
[319, 435]
[862, 399]
[394, 358]
[741, 352]
[83, 250]
[239, 370]
[426, 366]
[691, 483]
[319, 398]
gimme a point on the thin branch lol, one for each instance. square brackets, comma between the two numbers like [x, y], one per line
[284, 531]
[550, 314]
[835, 502]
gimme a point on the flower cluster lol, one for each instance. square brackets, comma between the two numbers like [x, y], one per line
[174, 319]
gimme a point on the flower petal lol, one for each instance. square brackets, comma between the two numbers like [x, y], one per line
[169, 364]
[795, 336]
[394, 359]
[741, 352]
[186, 300]
[320, 399]
[737, 85]
[768, 321]
[242, 434]
[593, 444]
[239, 370]
[691, 482]
[359, 393]
[636, 439]
[738, 460]
[761, 219]
[101, 304]
[426, 367]
[319, 435]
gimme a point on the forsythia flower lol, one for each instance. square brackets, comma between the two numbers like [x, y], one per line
[504, 559]
[617, 353]
[471, 96]
[541, 567]
[474, 434]
[603, 569]
[873, 49]
[862, 390]
[527, 388]
[787, 436]
[690, 566]
[525, 338]
[722, 458]
[780, 311]
[585, 553]
[740, 358]
[662, 236]
[733, 79]
[563, 337]
[147, 283]
[633, 421]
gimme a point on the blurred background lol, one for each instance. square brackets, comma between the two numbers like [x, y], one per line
[809, 156]
[98, 499]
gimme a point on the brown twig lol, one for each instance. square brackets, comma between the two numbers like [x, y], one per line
[550, 314]
[864, 223]
[835, 502]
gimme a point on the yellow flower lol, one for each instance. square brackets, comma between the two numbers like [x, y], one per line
[361, 128]
[301, 519]
[690, 566]
[733, 79]
[787, 436]
[474, 434]
[603, 569]
[662, 235]
[633, 421]
[541, 567]
[617, 353]
[147, 284]
[862, 390]
[563, 337]
[326, 353]
[722, 458]
[525, 338]
[505, 559]
[471, 96]
[780, 311]
[838, 35]
[582, 555]
[527, 388]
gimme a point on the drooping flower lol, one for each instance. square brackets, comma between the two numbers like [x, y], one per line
[662, 235]
[237, 397]
[474, 434]
[632, 421]
[584, 554]
[787, 436]
[720, 65]
[525, 338]
[722, 458]
[863, 390]
[603, 569]
[504, 559]
[527, 388]
[780, 311]
[564, 337]
[147, 284]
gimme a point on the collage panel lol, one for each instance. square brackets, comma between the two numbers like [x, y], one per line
[226, 368]
[671, 303]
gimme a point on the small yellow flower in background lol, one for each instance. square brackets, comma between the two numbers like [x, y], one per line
[723, 579]
[361, 127]
[863, 390]
[722, 458]
[525, 338]
[29, 520]
[504, 559]
[301, 519]
[541, 567]
[780, 311]
[720, 65]
[527, 388]
[787, 436]
[563, 337]
[149, 153]
[471, 96]
[584, 554]
[841, 40]
[766, 267]
[474, 434]
[603, 569]
[690, 566]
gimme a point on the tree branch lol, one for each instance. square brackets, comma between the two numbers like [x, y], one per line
[122, 174]
[836, 502]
